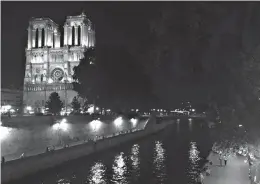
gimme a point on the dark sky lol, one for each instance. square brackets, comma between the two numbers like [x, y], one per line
[118, 24]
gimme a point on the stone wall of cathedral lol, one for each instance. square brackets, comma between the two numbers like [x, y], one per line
[49, 66]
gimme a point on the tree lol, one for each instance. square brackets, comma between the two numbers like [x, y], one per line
[54, 104]
[75, 104]
[88, 77]
[113, 80]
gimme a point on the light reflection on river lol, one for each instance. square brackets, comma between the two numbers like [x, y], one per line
[159, 162]
[174, 155]
[97, 174]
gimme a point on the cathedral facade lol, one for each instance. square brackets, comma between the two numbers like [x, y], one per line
[50, 63]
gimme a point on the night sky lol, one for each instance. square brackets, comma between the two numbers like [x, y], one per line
[188, 49]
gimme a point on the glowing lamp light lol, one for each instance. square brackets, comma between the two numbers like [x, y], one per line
[118, 121]
[193, 110]
[4, 132]
[63, 125]
[28, 108]
[95, 124]
[50, 80]
[134, 121]
[6, 107]
[91, 110]
[240, 125]
[97, 108]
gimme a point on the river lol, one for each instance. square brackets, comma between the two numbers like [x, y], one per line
[174, 155]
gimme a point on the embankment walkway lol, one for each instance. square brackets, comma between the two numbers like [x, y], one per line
[236, 171]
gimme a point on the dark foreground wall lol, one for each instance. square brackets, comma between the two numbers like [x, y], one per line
[19, 168]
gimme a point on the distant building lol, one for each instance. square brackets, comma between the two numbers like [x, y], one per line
[50, 62]
[10, 97]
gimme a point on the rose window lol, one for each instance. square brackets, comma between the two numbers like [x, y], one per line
[57, 74]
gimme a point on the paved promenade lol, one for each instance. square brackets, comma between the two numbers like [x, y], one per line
[236, 171]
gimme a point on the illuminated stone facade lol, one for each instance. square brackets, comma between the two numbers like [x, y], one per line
[49, 64]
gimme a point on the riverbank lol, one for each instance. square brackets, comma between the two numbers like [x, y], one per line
[235, 172]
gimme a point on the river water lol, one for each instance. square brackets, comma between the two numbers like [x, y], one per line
[174, 155]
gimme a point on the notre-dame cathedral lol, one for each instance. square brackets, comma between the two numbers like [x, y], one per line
[50, 63]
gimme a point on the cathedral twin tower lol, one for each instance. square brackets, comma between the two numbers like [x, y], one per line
[50, 62]
[78, 31]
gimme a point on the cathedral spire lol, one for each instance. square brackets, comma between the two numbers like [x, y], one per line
[83, 13]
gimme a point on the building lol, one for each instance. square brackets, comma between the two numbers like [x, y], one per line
[11, 99]
[50, 63]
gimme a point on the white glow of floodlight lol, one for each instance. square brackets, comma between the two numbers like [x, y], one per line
[193, 110]
[97, 108]
[95, 124]
[6, 107]
[240, 125]
[50, 81]
[4, 132]
[91, 110]
[108, 110]
[29, 108]
[118, 121]
[137, 110]
[134, 121]
[63, 125]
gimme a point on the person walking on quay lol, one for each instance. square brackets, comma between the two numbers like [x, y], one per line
[225, 159]
[220, 160]
[3, 160]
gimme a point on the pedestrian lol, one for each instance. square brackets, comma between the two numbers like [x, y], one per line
[220, 160]
[47, 149]
[225, 160]
[3, 159]
[22, 156]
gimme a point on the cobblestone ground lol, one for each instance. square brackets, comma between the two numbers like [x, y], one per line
[236, 171]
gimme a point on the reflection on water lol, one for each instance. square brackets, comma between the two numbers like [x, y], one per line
[134, 156]
[159, 162]
[119, 170]
[178, 125]
[190, 125]
[194, 159]
[97, 174]
[63, 181]
[135, 161]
